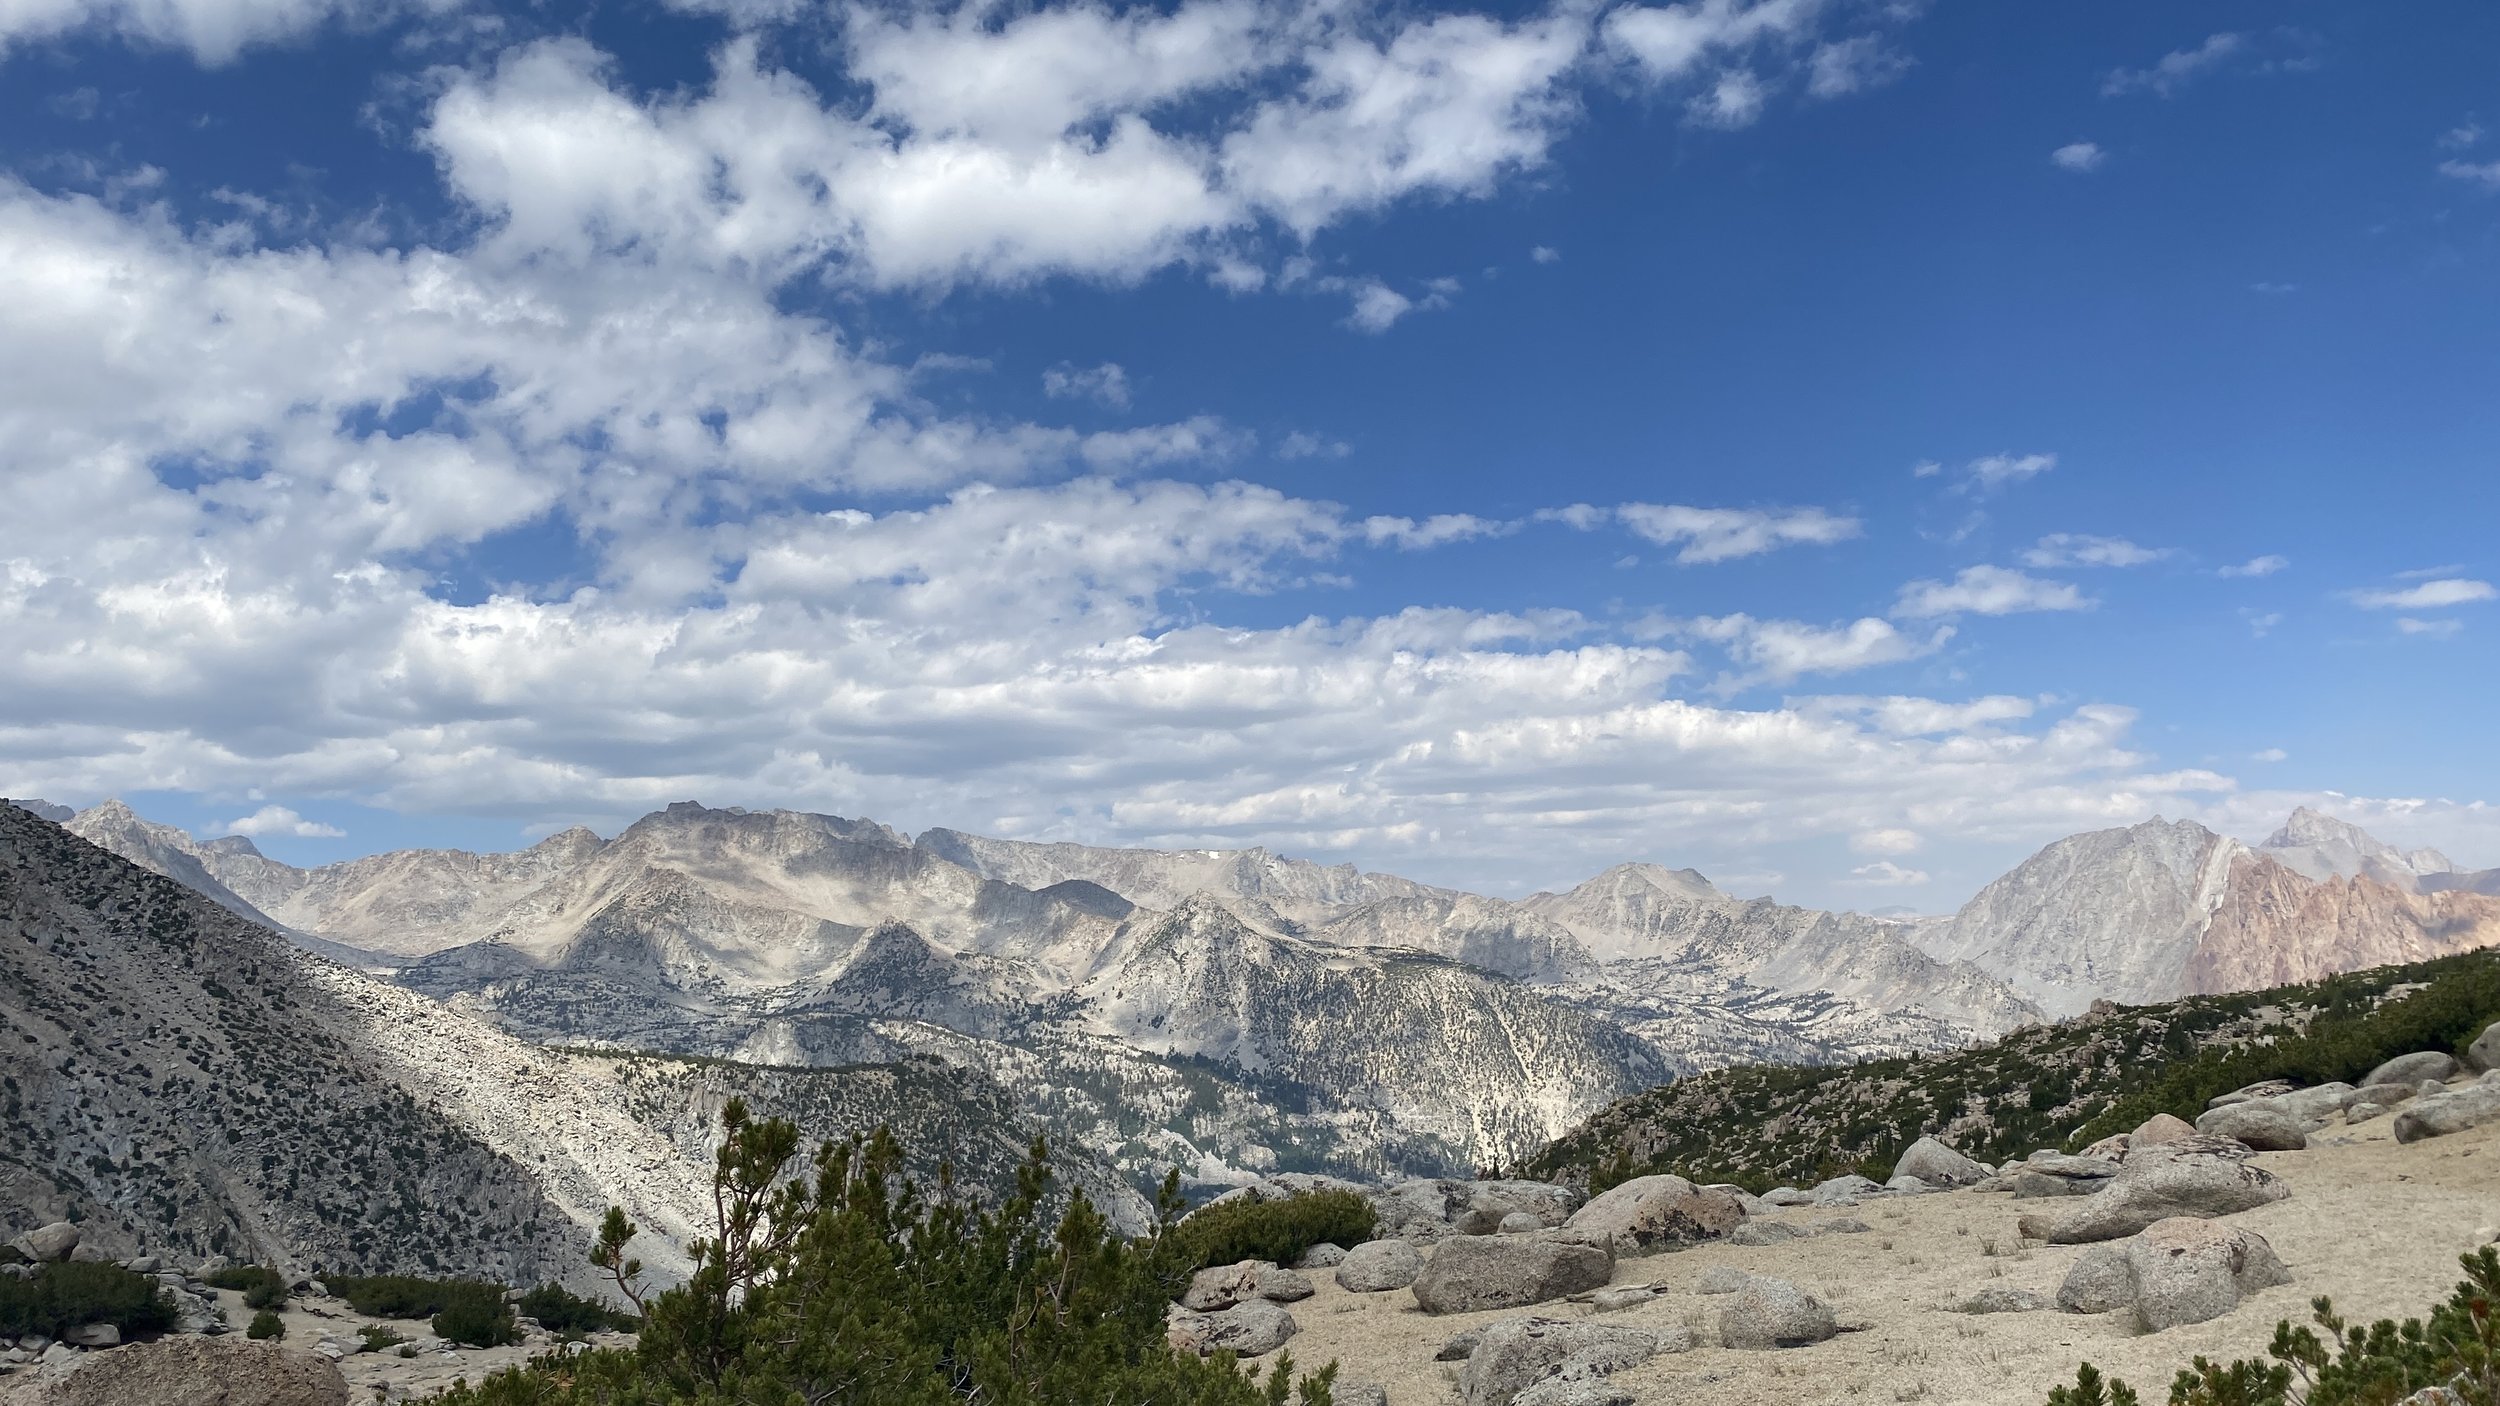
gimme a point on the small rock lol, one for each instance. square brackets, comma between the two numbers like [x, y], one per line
[1996, 1298]
[1379, 1266]
[2159, 1129]
[2413, 1069]
[1518, 1353]
[1932, 1162]
[144, 1264]
[1468, 1275]
[2450, 1111]
[1520, 1223]
[1765, 1232]
[1616, 1300]
[1249, 1329]
[2263, 1088]
[1772, 1313]
[1224, 1286]
[1787, 1196]
[2389, 1095]
[93, 1335]
[1910, 1186]
[1725, 1279]
[2099, 1282]
[2484, 1054]
[2363, 1112]
[1845, 1191]
[1458, 1348]
[2260, 1123]
[1842, 1225]
[1323, 1255]
[1359, 1394]
[2189, 1271]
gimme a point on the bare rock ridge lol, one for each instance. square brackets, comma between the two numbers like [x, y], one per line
[1237, 1012]
[181, 1080]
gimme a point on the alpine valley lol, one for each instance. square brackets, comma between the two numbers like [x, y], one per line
[553, 1030]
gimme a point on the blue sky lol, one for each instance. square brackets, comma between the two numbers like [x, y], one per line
[1840, 446]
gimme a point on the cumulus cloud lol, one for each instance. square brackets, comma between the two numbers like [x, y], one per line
[1988, 590]
[1883, 873]
[278, 820]
[1107, 383]
[2078, 157]
[2063, 549]
[1891, 840]
[2429, 595]
[2256, 566]
[2176, 69]
[1704, 535]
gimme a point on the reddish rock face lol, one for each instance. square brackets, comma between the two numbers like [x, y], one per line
[2275, 927]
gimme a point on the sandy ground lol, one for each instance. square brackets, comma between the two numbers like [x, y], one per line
[2375, 1225]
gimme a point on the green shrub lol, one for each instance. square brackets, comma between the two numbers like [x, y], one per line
[565, 1313]
[60, 1297]
[377, 1338]
[847, 1285]
[266, 1324]
[2385, 1363]
[262, 1287]
[406, 1295]
[1275, 1230]
[477, 1319]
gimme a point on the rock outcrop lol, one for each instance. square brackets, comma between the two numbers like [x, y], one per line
[1474, 1273]
[1648, 1214]
[1516, 1354]
[2148, 1190]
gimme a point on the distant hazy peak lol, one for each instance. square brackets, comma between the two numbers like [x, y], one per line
[2321, 846]
[681, 815]
[45, 809]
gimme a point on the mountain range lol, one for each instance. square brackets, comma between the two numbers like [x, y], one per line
[1237, 1012]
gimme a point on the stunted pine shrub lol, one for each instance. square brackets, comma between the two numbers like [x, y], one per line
[845, 1284]
[59, 1297]
[1275, 1230]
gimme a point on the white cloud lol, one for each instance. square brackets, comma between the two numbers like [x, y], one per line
[1705, 535]
[2262, 623]
[2437, 629]
[2256, 566]
[1734, 101]
[2174, 70]
[2270, 755]
[1926, 468]
[1107, 383]
[1677, 41]
[1997, 470]
[2461, 136]
[1301, 444]
[1988, 590]
[278, 820]
[1909, 716]
[1854, 65]
[1778, 651]
[2060, 549]
[1545, 254]
[2079, 156]
[211, 31]
[1434, 531]
[2482, 173]
[1883, 873]
[2430, 595]
[1890, 840]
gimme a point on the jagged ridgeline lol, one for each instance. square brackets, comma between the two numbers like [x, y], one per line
[183, 1081]
[2043, 1086]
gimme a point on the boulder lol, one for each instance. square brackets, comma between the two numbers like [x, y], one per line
[1997, 1298]
[2263, 1124]
[1249, 1329]
[2311, 1104]
[1575, 1387]
[185, 1371]
[2484, 1054]
[2363, 1112]
[1489, 1203]
[1359, 1394]
[1324, 1255]
[92, 1335]
[2263, 1088]
[1769, 1313]
[1911, 1186]
[2389, 1095]
[2159, 1129]
[1845, 1191]
[2413, 1069]
[1726, 1279]
[1460, 1347]
[1508, 1271]
[1754, 1205]
[48, 1244]
[1764, 1232]
[2111, 1149]
[1520, 1223]
[1426, 1210]
[1648, 1214]
[1379, 1266]
[2099, 1282]
[1787, 1196]
[2188, 1270]
[2028, 1185]
[1932, 1162]
[1518, 1353]
[2450, 1111]
[2153, 1189]
[1226, 1285]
